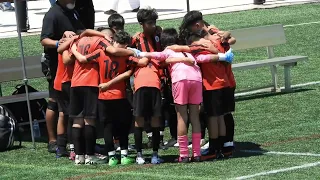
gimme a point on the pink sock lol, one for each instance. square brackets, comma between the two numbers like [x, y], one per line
[183, 146]
[196, 138]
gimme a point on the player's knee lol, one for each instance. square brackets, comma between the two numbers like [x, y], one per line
[53, 106]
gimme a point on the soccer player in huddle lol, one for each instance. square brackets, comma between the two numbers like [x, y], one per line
[84, 94]
[147, 95]
[114, 109]
[216, 84]
[186, 90]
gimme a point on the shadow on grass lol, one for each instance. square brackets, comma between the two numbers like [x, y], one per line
[242, 146]
[269, 94]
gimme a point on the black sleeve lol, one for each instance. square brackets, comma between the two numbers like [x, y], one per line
[48, 25]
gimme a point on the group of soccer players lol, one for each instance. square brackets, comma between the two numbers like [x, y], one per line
[93, 80]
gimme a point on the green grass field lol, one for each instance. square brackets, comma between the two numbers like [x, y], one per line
[267, 122]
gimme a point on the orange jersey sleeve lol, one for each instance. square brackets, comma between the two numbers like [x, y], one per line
[59, 75]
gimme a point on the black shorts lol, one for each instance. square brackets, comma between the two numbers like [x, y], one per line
[214, 103]
[52, 92]
[230, 99]
[116, 110]
[63, 98]
[83, 102]
[147, 102]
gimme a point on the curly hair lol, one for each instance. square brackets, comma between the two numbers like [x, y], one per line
[147, 14]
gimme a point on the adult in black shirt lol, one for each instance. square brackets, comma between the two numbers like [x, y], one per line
[61, 20]
[86, 12]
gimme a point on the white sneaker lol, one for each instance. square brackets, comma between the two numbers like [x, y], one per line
[130, 147]
[201, 143]
[91, 160]
[206, 146]
[117, 147]
[79, 159]
[176, 144]
[140, 160]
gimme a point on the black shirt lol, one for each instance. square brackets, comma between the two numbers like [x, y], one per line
[56, 21]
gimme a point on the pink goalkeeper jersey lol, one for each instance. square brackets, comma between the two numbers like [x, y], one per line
[179, 71]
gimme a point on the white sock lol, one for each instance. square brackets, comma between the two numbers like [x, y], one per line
[112, 153]
[124, 152]
[71, 146]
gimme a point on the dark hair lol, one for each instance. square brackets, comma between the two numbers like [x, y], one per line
[169, 36]
[122, 37]
[117, 21]
[100, 29]
[196, 36]
[144, 15]
[189, 19]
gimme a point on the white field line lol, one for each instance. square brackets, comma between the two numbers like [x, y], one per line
[301, 24]
[281, 153]
[266, 173]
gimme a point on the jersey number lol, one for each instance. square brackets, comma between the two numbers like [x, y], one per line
[84, 49]
[111, 69]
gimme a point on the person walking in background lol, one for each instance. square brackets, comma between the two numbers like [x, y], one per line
[6, 6]
[113, 5]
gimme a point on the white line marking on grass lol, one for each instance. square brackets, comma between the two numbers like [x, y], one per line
[265, 173]
[281, 153]
[144, 175]
[302, 24]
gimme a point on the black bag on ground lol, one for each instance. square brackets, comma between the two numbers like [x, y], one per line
[9, 130]
[20, 109]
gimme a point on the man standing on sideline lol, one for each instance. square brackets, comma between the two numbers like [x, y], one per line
[61, 20]
[113, 5]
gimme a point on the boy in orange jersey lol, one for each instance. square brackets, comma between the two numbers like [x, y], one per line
[84, 96]
[114, 108]
[147, 95]
[62, 85]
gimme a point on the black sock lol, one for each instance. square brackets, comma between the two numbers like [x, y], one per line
[229, 121]
[138, 138]
[77, 141]
[62, 142]
[213, 145]
[90, 139]
[108, 138]
[222, 140]
[69, 129]
[155, 138]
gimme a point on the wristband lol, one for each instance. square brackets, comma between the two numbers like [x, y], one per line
[57, 44]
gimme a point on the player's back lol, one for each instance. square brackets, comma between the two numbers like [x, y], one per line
[109, 68]
[86, 74]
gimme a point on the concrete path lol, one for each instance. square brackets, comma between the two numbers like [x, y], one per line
[167, 9]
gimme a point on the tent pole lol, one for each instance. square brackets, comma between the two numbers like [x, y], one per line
[188, 6]
[25, 79]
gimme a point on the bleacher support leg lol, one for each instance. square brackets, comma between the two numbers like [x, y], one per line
[287, 78]
[274, 75]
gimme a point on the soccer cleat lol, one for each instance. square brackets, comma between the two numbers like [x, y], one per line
[113, 161]
[61, 153]
[170, 143]
[196, 159]
[92, 160]
[140, 160]
[208, 155]
[72, 155]
[182, 160]
[110, 11]
[52, 147]
[125, 160]
[79, 159]
[156, 160]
